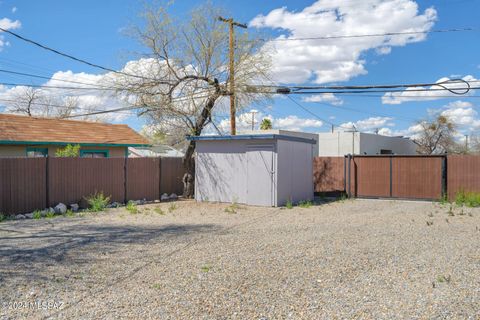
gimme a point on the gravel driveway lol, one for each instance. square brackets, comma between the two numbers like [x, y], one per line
[359, 259]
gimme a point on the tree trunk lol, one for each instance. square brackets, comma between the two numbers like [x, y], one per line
[188, 160]
[189, 175]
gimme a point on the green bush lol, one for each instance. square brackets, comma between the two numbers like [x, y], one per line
[69, 151]
[132, 207]
[97, 202]
[469, 199]
[50, 214]
[305, 204]
[289, 204]
[37, 214]
[2, 217]
[69, 213]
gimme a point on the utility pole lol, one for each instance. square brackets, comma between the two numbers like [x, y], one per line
[466, 143]
[231, 24]
[253, 118]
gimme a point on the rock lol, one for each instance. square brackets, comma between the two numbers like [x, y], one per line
[60, 208]
[173, 196]
[20, 217]
[114, 205]
[29, 215]
[164, 197]
[74, 207]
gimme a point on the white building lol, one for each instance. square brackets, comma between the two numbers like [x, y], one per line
[331, 144]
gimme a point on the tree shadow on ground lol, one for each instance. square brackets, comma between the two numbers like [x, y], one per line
[73, 244]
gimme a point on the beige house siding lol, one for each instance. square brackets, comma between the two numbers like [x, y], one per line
[21, 150]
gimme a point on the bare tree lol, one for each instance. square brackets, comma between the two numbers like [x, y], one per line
[436, 136]
[25, 101]
[185, 74]
[35, 102]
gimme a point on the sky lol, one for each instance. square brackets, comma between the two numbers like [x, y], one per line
[96, 31]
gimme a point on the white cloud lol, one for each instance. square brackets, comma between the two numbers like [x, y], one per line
[14, 9]
[339, 59]
[87, 100]
[368, 125]
[329, 98]
[410, 95]
[290, 122]
[7, 24]
[463, 115]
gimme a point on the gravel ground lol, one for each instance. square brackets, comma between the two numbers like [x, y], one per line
[360, 259]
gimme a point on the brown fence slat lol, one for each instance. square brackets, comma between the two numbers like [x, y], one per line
[328, 174]
[370, 176]
[72, 179]
[463, 173]
[22, 184]
[417, 177]
[171, 176]
[143, 175]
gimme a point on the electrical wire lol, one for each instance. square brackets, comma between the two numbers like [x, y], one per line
[370, 35]
[91, 64]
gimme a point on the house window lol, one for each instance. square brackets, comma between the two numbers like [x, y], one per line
[385, 151]
[36, 152]
[94, 153]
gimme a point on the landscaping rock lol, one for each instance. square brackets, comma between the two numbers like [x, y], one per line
[164, 197]
[29, 215]
[173, 196]
[60, 208]
[74, 207]
[20, 217]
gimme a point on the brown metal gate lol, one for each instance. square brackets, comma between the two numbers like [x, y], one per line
[383, 176]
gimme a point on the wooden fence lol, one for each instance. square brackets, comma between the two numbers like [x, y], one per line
[27, 184]
[392, 176]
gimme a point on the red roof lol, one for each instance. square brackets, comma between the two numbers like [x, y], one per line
[15, 128]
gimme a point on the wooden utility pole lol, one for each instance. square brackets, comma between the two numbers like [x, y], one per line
[231, 24]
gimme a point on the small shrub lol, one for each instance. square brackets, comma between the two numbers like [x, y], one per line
[132, 207]
[50, 214]
[69, 151]
[305, 204]
[97, 202]
[159, 211]
[442, 278]
[172, 207]
[469, 199]
[156, 286]
[206, 268]
[232, 208]
[2, 217]
[289, 204]
[444, 200]
[37, 214]
[69, 213]
[429, 223]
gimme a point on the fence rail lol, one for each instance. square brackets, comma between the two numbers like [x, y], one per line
[27, 184]
[396, 176]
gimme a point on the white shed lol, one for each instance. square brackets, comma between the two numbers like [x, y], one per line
[264, 170]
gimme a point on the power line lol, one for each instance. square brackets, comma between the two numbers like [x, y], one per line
[371, 35]
[133, 107]
[91, 64]
[53, 79]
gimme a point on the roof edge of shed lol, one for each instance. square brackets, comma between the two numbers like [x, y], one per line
[252, 137]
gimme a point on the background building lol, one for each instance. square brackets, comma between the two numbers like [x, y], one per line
[331, 144]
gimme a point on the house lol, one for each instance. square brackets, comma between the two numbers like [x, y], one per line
[22, 136]
[256, 169]
[332, 144]
[162, 150]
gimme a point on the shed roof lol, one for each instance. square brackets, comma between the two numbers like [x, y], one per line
[15, 129]
[252, 137]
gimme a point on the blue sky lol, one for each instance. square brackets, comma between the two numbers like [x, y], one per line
[94, 30]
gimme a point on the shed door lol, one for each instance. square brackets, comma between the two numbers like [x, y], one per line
[260, 175]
